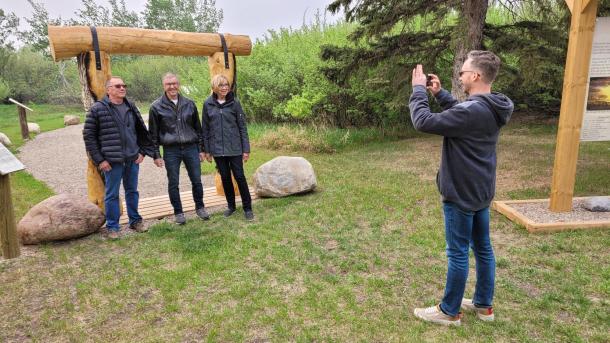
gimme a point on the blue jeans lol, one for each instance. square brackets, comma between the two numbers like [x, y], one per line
[128, 172]
[173, 155]
[464, 230]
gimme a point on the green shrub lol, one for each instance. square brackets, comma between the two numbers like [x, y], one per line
[5, 90]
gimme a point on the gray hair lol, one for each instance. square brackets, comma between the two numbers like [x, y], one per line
[170, 75]
[487, 63]
[110, 79]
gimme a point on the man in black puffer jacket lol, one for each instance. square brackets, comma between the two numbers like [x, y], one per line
[174, 123]
[116, 140]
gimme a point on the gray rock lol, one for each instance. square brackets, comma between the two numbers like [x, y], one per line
[597, 204]
[71, 120]
[284, 176]
[5, 140]
[60, 217]
[33, 127]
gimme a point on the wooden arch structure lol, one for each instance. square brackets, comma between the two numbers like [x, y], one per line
[92, 47]
[573, 99]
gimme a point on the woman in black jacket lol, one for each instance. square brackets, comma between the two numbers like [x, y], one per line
[225, 137]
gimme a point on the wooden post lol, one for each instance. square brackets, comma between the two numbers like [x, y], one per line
[8, 229]
[572, 103]
[96, 86]
[216, 62]
[23, 122]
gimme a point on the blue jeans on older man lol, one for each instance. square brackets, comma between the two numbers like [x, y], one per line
[174, 155]
[464, 230]
[128, 172]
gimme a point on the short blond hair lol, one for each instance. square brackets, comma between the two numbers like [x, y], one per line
[217, 80]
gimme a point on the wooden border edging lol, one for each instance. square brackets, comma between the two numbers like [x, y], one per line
[505, 208]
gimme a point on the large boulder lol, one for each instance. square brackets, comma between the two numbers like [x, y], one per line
[33, 127]
[71, 120]
[284, 176]
[5, 140]
[597, 204]
[60, 217]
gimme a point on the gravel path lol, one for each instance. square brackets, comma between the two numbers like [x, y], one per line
[58, 158]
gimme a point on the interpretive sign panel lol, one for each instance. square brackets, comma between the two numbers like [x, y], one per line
[8, 162]
[596, 121]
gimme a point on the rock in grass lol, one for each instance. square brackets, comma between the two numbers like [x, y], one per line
[597, 204]
[33, 127]
[71, 120]
[5, 140]
[60, 217]
[284, 176]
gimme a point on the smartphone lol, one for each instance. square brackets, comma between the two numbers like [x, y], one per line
[429, 81]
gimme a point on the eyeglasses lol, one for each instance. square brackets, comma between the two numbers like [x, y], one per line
[223, 85]
[466, 71]
[171, 84]
[120, 86]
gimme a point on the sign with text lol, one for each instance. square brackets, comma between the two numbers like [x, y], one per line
[8, 162]
[596, 121]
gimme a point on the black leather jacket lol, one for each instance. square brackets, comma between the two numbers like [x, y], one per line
[171, 124]
[224, 127]
[102, 134]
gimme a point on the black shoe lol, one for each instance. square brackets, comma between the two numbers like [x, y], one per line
[202, 213]
[229, 212]
[249, 215]
[180, 219]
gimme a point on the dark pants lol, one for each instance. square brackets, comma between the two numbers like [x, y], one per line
[235, 164]
[174, 155]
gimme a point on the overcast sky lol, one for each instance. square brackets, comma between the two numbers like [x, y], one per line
[247, 17]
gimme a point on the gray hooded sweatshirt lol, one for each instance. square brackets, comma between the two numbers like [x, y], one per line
[467, 175]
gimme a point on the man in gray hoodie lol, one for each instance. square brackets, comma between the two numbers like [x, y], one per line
[466, 178]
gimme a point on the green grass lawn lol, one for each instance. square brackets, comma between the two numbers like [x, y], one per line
[347, 263]
[27, 191]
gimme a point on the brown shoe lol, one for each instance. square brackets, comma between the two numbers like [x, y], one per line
[113, 235]
[138, 227]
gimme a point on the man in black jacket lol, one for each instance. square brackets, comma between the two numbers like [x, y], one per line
[466, 178]
[116, 140]
[174, 123]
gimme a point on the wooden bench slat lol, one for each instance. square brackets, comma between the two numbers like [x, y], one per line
[160, 206]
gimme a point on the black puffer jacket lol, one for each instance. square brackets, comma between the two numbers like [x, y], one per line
[102, 134]
[170, 124]
[224, 127]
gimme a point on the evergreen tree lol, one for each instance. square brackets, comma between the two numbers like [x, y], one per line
[439, 33]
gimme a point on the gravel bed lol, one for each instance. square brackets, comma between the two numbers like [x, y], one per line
[539, 212]
[58, 158]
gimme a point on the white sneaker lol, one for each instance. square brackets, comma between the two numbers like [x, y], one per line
[486, 314]
[435, 315]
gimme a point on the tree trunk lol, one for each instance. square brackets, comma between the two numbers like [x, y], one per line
[469, 36]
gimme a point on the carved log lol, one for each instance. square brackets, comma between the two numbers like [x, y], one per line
[70, 41]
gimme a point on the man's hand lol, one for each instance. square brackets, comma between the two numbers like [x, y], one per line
[201, 156]
[208, 157]
[246, 156]
[436, 84]
[419, 78]
[105, 166]
[139, 159]
[159, 162]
